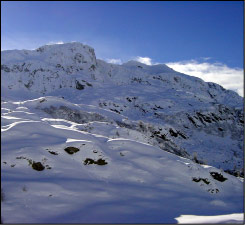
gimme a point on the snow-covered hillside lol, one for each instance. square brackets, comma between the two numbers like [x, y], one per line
[87, 141]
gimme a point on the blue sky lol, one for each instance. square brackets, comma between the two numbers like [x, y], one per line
[206, 32]
[163, 31]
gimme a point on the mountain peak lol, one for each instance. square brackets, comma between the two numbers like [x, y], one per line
[67, 53]
[67, 45]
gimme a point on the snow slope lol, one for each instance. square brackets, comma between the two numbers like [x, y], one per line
[139, 183]
[150, 141]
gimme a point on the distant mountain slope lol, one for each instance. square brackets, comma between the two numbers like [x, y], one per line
[54, 67]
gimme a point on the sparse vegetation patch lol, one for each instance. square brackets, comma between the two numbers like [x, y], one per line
[205, 180]
[99, 162]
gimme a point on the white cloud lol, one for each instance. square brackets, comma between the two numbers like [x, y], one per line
[145, 60]
[114, 61]
[229, 78]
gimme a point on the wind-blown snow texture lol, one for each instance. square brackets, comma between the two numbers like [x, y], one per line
[143, 133]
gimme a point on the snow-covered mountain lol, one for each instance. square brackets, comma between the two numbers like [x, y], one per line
[196, 116]
[137, 134]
